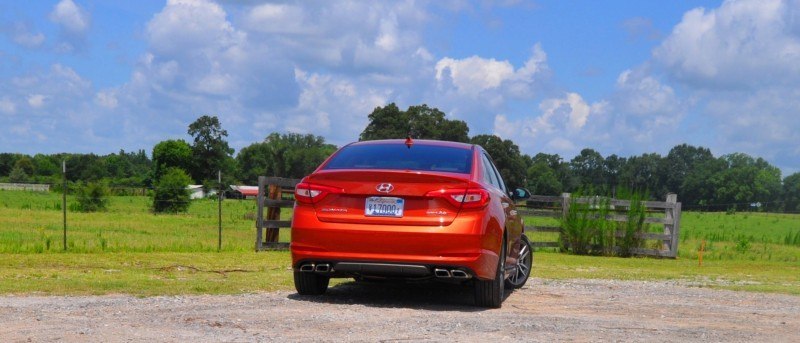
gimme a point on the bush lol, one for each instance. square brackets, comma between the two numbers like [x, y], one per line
[171, 194]
[92, 197]
[588, 228]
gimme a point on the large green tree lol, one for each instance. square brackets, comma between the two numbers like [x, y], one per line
[210, 150]
[678, 164]
[506, 157]
[171, 153]
[421, 122]
[641, 174]
[171, 194]
[589, 167]
[747, 180]
[791, 193]
[290, 155]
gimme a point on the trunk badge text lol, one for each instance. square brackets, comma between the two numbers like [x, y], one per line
[384, 188]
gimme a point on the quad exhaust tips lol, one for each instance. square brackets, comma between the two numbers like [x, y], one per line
[459, 274]
[443, 273]
[453, 273]
[319, 268]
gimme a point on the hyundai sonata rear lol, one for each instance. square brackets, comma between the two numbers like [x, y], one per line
[413, 210]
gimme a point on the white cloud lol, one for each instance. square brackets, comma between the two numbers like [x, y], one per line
[74, 23]
[641, 94]
[277, 18]
[571, 110]
[561, 125]
[186, 28]
[22, 34]
[107, 99]
[737, 68]
[475, 74]
[71, 17]
[504, 128]
[741, 44]
[36, 100]
[334, 107]
[7, 106]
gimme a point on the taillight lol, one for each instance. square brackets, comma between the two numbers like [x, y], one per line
[463, 198]
[309, 193]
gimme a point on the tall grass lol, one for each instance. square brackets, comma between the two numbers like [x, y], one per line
[32, 223]
[589, 229]
[741, 236]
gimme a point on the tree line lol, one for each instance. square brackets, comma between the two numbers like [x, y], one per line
[702, 181]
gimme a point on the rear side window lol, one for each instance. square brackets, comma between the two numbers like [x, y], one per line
[400, 157]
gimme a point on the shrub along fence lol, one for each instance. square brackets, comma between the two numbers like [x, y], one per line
[608, 226]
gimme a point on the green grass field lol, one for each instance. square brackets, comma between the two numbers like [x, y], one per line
[129, 250]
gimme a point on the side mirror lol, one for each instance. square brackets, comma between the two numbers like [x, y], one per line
[520, 194]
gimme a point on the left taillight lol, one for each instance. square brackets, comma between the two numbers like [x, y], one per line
[309, 193]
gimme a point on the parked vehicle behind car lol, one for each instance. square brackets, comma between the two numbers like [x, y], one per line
[413, 210]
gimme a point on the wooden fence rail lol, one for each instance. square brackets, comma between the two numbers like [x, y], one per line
[558, 207]
[270, 196]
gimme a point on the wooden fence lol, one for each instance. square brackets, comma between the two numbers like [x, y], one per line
[275, 193]
[558, 207]
[271, 195]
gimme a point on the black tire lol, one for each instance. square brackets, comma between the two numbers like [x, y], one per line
[519, 277]
[490, 293]
[308, 283]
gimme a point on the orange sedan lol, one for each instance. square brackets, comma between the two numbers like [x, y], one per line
[414, 210]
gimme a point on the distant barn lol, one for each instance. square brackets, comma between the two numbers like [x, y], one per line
[243, 192]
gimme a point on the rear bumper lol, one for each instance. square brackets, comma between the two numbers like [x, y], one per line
[395, 250]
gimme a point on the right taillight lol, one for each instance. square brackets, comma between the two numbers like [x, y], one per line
[309, 193]
[463, 198]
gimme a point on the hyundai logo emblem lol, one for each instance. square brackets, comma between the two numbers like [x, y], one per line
[384, 188]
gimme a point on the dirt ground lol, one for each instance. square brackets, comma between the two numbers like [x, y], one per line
[545, 310]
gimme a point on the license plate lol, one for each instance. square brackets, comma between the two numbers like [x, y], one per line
[384, 207]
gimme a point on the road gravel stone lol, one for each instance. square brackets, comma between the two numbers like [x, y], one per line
[544, 310]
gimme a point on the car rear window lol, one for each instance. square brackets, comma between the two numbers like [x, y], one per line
[400, 157]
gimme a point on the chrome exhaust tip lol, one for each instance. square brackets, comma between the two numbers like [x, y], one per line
[322, 268]
[309, 267]
[459, 274]
[443, 273]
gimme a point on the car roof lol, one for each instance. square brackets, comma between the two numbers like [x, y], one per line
[466, 146]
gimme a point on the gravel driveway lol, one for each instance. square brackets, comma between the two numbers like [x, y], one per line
[545, 310]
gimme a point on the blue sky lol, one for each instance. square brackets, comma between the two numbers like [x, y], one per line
[622, 77]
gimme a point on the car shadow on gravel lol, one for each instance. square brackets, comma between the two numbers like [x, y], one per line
[433, 296]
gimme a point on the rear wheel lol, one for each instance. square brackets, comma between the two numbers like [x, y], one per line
[489, 293]
[524, 265]
[307, 283]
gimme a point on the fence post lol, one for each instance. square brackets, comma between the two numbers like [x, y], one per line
[219, 196]
[670, 225]
[565, 200]
[64, 198]
[262, 180]
[273, 213]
